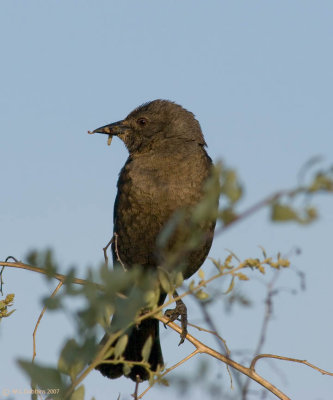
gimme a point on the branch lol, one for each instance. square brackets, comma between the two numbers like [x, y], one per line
[266, 320]
[105, 251]
[220, 341]
[168, 370]
[116, 251]
[250, 372]
[59, 277]
[40, 318]
[259, 356]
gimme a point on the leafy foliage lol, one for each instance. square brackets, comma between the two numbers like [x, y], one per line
[4, 304]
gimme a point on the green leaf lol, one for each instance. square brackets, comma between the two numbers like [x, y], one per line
[321, 182]
[9, 299]
[44, 377]
[8, 314]
[201, 274]
[52, 303]
[120, 346]
[191, 285]
[253, 262]
[146, 349]
[282, 212]
[43, 259]
[242, 277]
[179, 279]
[151, 298]
[227, 215]
[4, 304]
[201, 295]
[78, 394]
[104, 319]
[127, 368]
[164, 280]
[163, 381]
[31, 257]
[73, 358]
[231, 188]
[216, 263]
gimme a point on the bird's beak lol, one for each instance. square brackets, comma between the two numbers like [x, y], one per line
[114, 129]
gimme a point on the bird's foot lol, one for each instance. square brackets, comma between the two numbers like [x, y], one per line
[179, 311]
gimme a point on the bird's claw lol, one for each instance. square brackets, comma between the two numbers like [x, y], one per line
[173, 314]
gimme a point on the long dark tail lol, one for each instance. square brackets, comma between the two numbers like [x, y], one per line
[136, 340]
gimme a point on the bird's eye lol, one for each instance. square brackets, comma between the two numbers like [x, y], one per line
[142, 121]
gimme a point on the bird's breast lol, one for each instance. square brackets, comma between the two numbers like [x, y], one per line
[172, 183]
[150, 190]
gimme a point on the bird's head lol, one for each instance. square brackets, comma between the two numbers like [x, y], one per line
[155, 123]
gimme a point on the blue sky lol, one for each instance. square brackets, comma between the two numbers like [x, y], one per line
[258, 75]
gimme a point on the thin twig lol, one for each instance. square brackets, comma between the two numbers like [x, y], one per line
[223, 347]
[296, 360]
[2, 269]
[135, 394]
[268, 312]
[1, 281]
[262, 337]
[39, 319]
[116, 250]
[105, 251]
[196, 351]
[200, 328]
[59, 277]
[210, 323]
[15, 260]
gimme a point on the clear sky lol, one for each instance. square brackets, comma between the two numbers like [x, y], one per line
[258, 75]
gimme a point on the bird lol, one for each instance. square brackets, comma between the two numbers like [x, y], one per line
[166, 171]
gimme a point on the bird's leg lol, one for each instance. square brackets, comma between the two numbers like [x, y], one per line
[179, 311]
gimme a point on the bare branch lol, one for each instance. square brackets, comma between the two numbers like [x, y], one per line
[40, 318]
[168, 370]
[259, 356]
[116, 251]
[59, 277]
[250, 372]
[200, 328]
[105, 251]
[135, 394]
[267, 317]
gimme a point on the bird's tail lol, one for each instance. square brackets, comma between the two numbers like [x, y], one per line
[136, 340]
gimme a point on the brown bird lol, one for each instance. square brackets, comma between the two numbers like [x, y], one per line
[166, 171]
